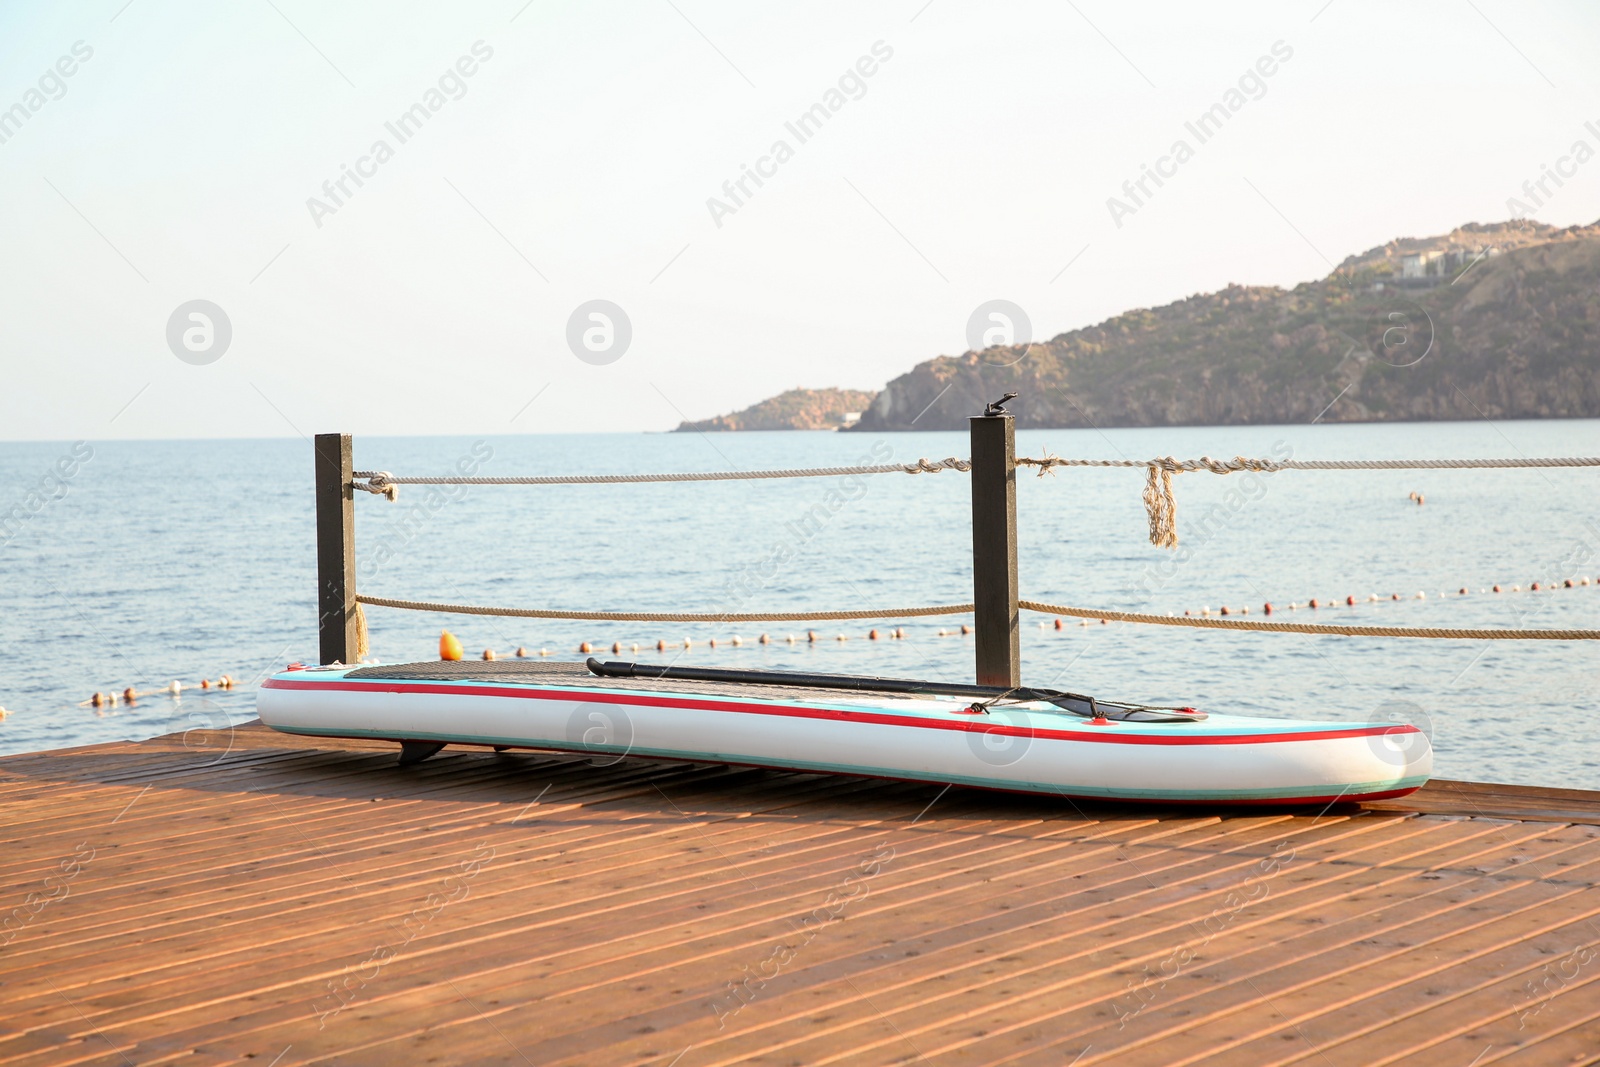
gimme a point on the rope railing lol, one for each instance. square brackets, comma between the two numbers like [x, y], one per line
[1446, 633]
[1161, 506]
[664, 616]
[382, 482]
[1158, 498]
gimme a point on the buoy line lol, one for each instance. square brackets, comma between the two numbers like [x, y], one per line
[174, 688]
[451, 649]
[1374, 598]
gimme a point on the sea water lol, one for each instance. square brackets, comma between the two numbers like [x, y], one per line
[155, 561]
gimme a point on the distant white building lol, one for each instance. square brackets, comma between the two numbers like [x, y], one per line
[1415, 264]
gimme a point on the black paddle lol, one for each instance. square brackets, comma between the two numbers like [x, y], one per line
[1074, 703]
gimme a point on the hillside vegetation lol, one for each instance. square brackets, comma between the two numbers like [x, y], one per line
[796, 409]
[1507, 326]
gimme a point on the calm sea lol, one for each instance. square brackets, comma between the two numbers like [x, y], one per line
[156, 561]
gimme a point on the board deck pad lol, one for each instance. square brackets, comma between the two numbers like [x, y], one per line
[562, 673]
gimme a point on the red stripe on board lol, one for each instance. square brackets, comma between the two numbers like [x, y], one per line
[797, 712]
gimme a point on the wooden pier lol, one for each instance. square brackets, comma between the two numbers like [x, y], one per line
[248, 897]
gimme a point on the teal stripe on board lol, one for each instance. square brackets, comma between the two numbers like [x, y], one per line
[1353, 788]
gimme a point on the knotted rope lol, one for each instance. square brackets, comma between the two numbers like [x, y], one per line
[1162, 507]
[1310, 628]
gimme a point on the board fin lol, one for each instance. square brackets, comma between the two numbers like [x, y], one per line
[417, 751]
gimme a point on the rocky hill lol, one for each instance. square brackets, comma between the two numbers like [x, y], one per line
[1498, 321]
[797, 409]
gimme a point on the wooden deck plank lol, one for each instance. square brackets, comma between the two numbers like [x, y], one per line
[1068, 968]
[619, 908]
[1152, 990]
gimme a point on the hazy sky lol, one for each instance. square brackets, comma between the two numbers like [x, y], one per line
[576, 160]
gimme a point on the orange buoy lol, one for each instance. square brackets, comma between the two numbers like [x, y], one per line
[616, 646]
[1266, 609]
[872, 635]
[1394, 596]
[1350, 600]
[1463, 591]
[811, 635]
[1534, 587]
[96, 700]
[586, 647]
[764, 639]
[128, 695]
[965, 628]
[1568, 583]
[521, 652]
[205, 683]
[661, 646]
[713, 642]
[449, 647]
[1497, 589]
[488, 654]
[1058, 622]
[1223, 610]
[1314, 603]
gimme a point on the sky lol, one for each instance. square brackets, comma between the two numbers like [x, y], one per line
[179, 259]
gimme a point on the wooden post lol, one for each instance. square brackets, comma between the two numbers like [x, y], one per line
[336, 550]
[997, 629]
